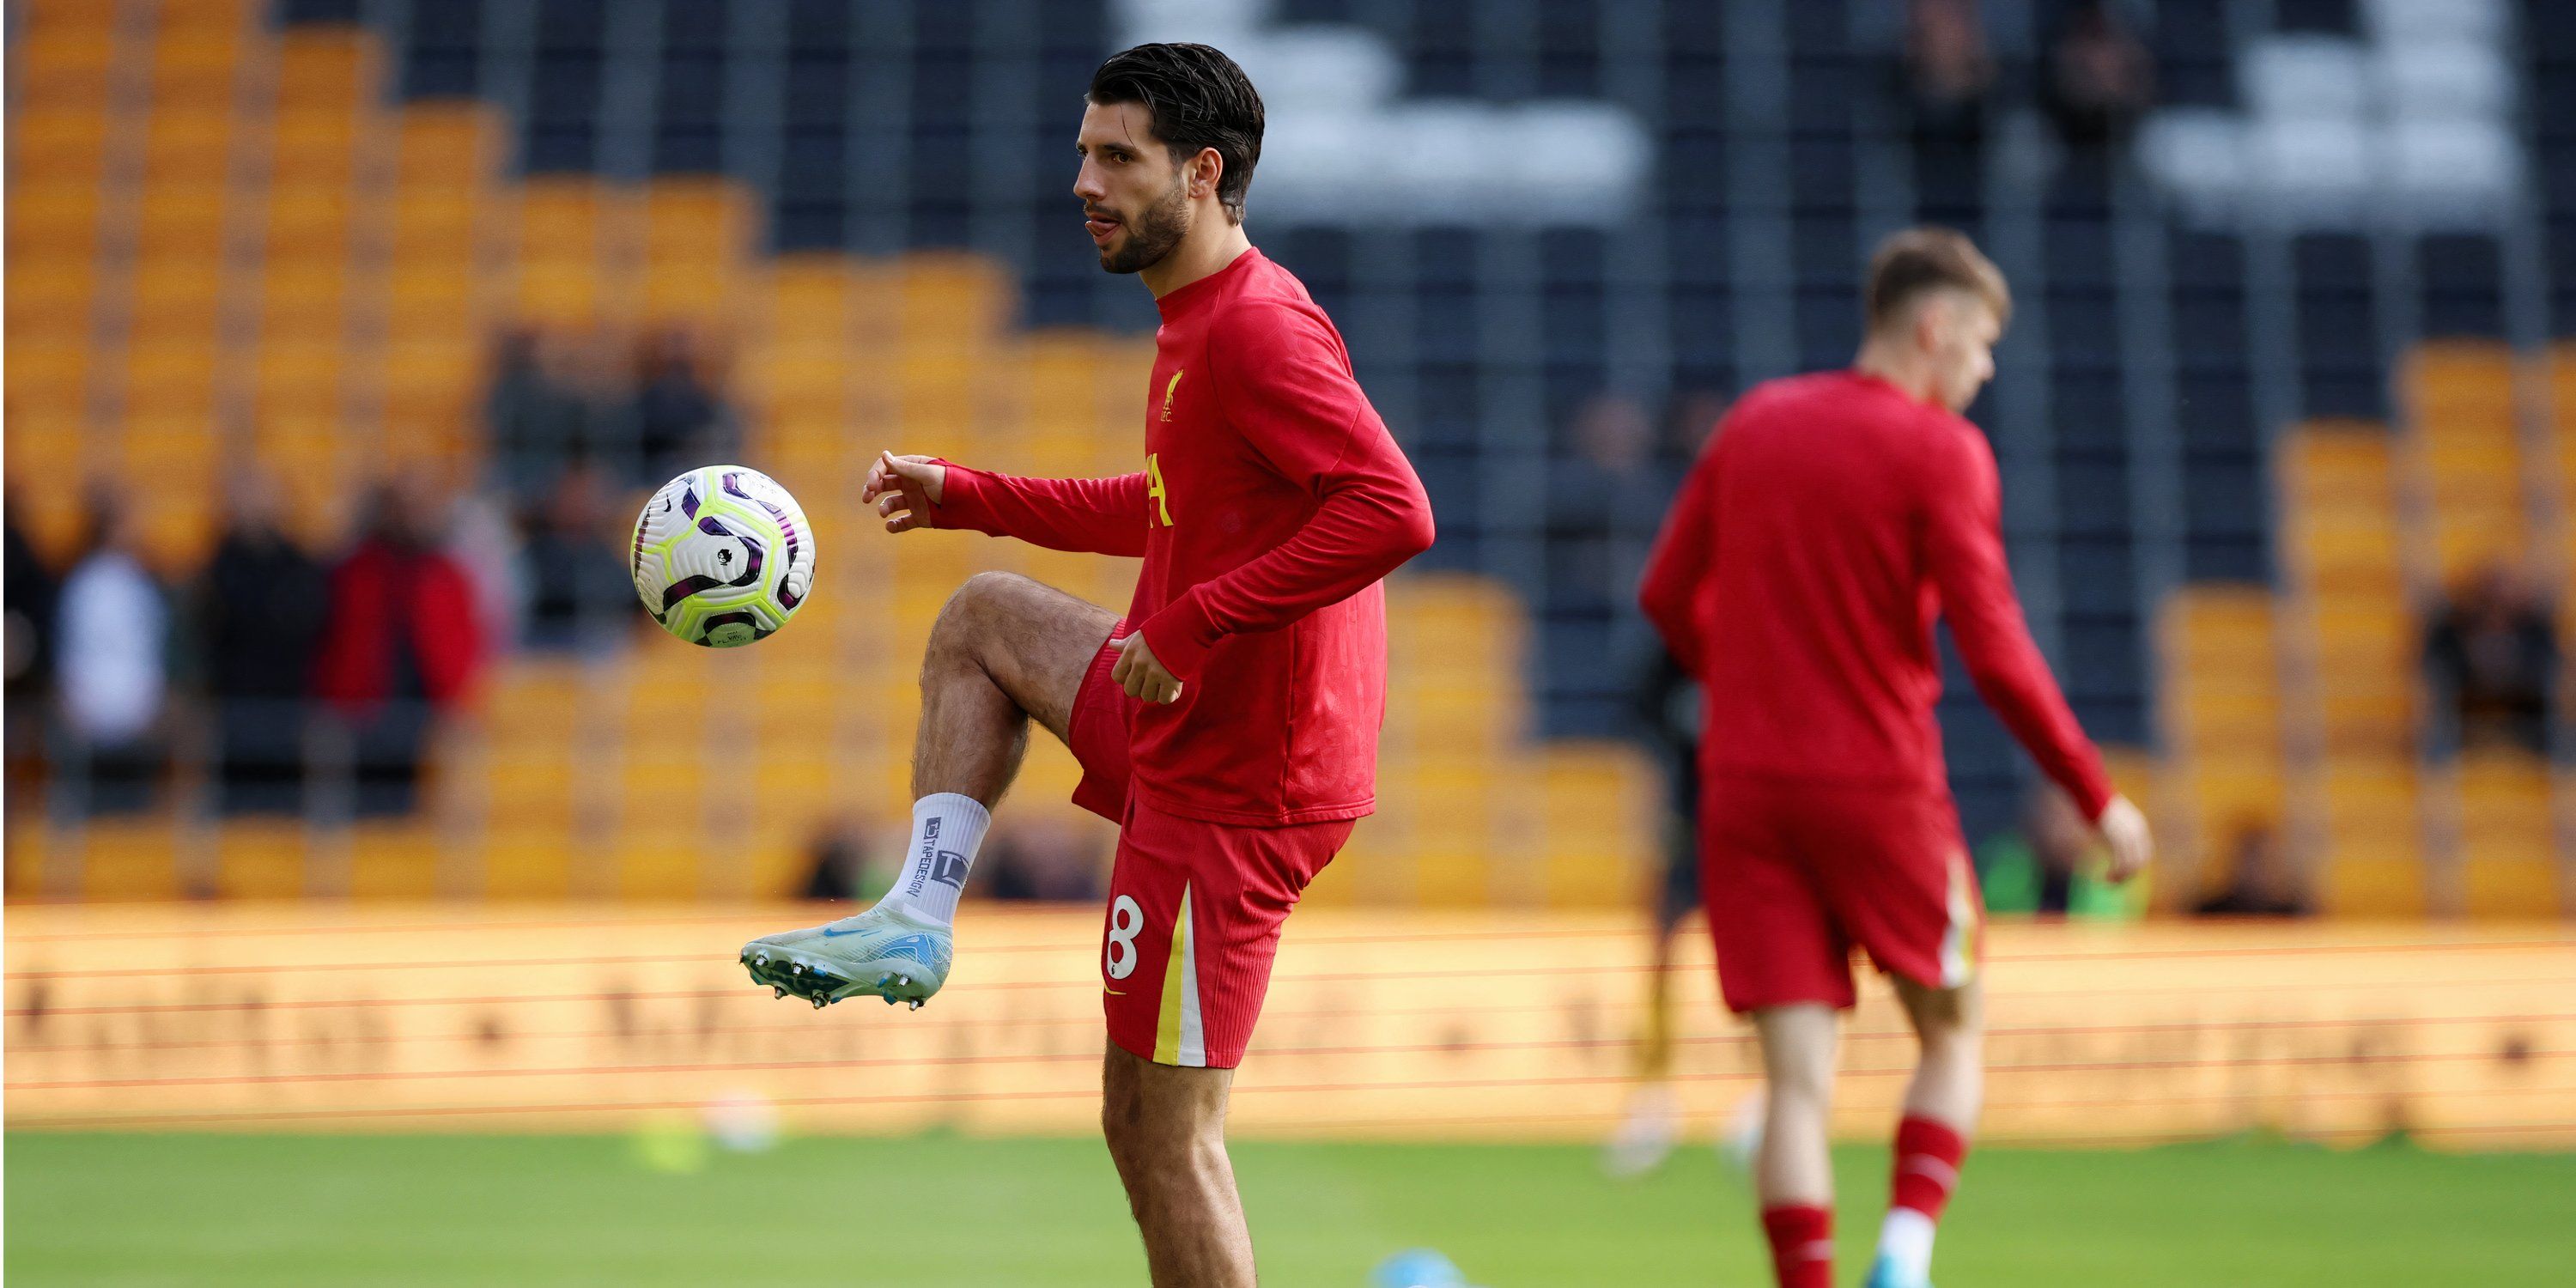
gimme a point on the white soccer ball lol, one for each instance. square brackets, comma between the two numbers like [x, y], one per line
[722, 556]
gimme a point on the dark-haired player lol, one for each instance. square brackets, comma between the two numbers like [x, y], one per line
[1228, 723]
[1833, 517]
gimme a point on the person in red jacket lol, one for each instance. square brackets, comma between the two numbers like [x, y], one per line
[402, 642]
[1228, 721]
[1830, 520]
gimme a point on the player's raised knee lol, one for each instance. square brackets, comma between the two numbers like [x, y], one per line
[984, 605]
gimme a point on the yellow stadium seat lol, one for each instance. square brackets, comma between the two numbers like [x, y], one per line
[196, 69]
[2363, 886]
[50, 299]
[201, 19]
[951, 302]
[171, 378]
[394, 860]
[316, 150]
[436, 226]
[532, 792]
[55, 144]
[73, 47]
[300, 370]
[260, 859]
[447, 146]
[312, 219]
[807, 294]
[126, 860]
[699, 222]
[43, 445]
[57, 19]
[46, 373]
[574, 217]
[53, 218]
[653, 869]
[178, 526]
[176, 281]
[322, 68]
[565, 295]
[528, 864]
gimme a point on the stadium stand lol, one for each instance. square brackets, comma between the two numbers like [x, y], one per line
[2242, 461]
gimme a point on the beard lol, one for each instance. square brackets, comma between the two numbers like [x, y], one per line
[1152, 234]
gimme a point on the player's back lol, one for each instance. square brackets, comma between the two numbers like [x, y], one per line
[1818, 601]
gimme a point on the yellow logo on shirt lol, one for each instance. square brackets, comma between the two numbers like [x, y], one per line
[1154, 481]
[1168, 391]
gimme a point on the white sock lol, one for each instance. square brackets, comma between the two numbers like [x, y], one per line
[947, 829]
[1905, 1242]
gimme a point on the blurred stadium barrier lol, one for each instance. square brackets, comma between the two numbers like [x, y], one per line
[1418, 1025]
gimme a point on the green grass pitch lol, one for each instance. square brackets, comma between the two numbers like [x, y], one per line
[927, 1212]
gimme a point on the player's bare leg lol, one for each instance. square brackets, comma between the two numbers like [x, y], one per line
[1005, 650]
[1949, 1082]
[1941, 1106]
[1166, 1132]
[1793, 1169]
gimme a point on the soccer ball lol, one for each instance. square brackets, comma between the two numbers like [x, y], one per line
[722, 556]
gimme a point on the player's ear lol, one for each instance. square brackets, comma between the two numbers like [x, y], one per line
[1205, 170]
[1931, 317]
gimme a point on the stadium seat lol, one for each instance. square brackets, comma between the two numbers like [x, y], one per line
[2220, 685]
[195, 70]
[2373, 832]
[49, 375]
[58, 67]
[324, 68]
[2467, 456]
[533, 865]
[51, 218]
[128, 859]
[50, 299]
[1601, 841]
[2508, 837]
[259, 858]
[395, 861]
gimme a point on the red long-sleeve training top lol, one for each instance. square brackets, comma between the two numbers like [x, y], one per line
[1831, 519]
[1272, 503]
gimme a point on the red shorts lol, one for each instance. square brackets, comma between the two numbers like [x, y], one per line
[1194, 907]
[1798, 874]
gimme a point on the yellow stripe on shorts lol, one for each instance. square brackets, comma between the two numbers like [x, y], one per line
[1179, 1038]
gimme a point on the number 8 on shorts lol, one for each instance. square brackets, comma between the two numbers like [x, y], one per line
[1126, 921]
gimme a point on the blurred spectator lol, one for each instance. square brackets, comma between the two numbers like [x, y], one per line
[1688, 425]
[1045, 860]
[840, 866]
[2050, 865]
[260, 615]
[403, 644]
[2492, 657]
[579, 594]
[2259, 882]
[113, 625]
[1603, 504]
[537, 412]
[2099, 78]
[30, 592]
[678, 421]
[1948, 76]
[483, 535]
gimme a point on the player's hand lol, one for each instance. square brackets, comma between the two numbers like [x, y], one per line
[2124, 830]
[904, 488]
[1140, 675]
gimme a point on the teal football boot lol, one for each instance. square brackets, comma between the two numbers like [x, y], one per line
[882, 952]
[1884, 1274]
